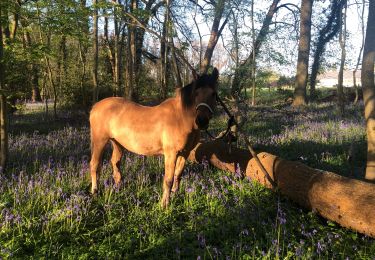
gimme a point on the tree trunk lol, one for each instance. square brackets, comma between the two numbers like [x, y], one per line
[117, 49]
[253, 64]
[360, 52]
[349, 202]
[82, 50]
[109, 49]
[176, 67]
[164, 54]
[326, 34]
[35, 91]
[131, 78]
[242, 70]
[3, 112]
[303, 54]
[368, 86]
[216, 31]
[82, 59]
[342, 40]
[48, 63]
[95, 53]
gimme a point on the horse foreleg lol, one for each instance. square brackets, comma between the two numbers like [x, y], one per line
[180, 163]
[97, 147]
[170, 165]
[115, 160]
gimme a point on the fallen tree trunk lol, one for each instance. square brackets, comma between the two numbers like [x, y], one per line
[348, 202]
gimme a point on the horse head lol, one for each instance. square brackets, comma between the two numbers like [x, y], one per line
[204, 95]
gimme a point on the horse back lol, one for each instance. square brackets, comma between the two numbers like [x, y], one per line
[140, 129]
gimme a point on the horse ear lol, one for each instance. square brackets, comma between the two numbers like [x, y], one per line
[215, 74]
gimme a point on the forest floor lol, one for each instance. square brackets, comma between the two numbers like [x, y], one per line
[46, 210]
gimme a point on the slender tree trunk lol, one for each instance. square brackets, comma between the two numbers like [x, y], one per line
[16, 16]
[48, 64]
[117, 49]
[342, 40]
[3, 107]
[242, 71]
[109, 49]
[368, 86]
[62, 63]
[45, 95]
[35, 91]
[95, 53]
[360, 52]
[164, 54]
[303, 54]
[216, 31]
[253, 65]
[199, 36]
[131, 54]
[82, 50]
[82, 59]
[176, 67]
[326, 34]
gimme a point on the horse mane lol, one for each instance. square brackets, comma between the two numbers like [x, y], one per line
[186, 92]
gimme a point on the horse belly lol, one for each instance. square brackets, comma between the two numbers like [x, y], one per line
[139, 143]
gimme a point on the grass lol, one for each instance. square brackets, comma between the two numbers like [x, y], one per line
[46, 210]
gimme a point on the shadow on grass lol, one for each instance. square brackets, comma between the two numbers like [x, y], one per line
[37, 121]
[347, 158]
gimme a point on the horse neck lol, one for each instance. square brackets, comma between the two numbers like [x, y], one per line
[188, 114]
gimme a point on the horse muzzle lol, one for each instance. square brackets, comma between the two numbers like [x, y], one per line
[202, 122]
[203, 118]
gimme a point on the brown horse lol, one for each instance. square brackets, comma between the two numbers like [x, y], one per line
[171, 128]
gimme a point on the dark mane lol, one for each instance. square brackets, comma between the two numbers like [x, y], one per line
[186, 92]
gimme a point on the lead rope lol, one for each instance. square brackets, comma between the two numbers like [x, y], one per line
[232, 121]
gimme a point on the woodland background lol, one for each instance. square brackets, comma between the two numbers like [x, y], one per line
[57, 58]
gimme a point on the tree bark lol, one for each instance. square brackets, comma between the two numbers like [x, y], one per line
[368, 85]
[117, 48]
[303, 54]
[95, 53]
[164, 54]
[216, 31]
[243, 68]
[342, 40]
[131, 92]
[348, 202]
[253, 61]
[48, 63]
[35, 91]
[326, 34]
[3, 106]
[360, 52]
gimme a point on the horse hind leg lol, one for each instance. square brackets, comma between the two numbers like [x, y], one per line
[115, 160]
[97, 146]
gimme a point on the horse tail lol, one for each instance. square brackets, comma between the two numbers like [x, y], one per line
[91, 132]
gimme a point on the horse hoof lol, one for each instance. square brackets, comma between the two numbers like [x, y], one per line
[117, 178]
[164, 204]
[94, 192]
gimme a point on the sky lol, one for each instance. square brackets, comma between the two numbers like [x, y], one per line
[289, 46]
